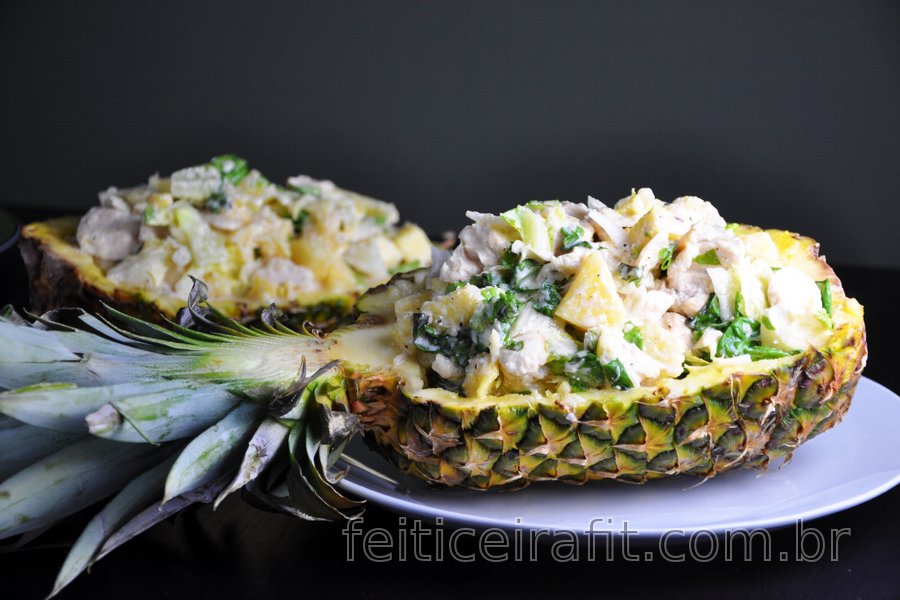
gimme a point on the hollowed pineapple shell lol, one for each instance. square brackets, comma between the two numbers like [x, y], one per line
[721, 418]
[61, 275]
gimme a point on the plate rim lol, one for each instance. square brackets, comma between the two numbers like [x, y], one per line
[456, 518]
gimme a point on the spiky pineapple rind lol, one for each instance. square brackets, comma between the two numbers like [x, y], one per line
[751, 416]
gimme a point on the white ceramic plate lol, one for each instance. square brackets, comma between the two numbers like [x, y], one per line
[850, 464]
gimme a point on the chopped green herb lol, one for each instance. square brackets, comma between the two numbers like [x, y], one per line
[665, 257]
[591, 338]
[709, 316]
[523, 271]
[737, 337]
[499, 310]
[487, 279]
[548, 297]
[149, 213]
[232, 167]
[380, 219]
[539, 204]
[825, 289]
[742, 337]
[572, 238]
[739, 307]
[767, 323]
[617, 375]
[452, 287]
[509, 259]
[632, 334]
[300, 220]
[426, 338]
[767, 352]
[708, 258]
[517, 345]
[404, 267]
[583, 370]
[217, 201]
[306, 190]
[824, 319]
[630, 274]
[436, 381]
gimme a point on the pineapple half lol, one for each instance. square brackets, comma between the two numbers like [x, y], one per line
[559, 341]
[309, 247]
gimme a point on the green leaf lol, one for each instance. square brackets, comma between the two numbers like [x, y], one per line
[709, 316]
[631, 274]
[183, 411]
[583, 370]
[300, 220]
[548, 297]
[738, 337]
[509, 258]
[708, 258]
[404, 267]
[617, 375]
[427, 338]
[217, 202]
[67, 481]
[209, 454]
[22, 445]
[632, 333]
[767, 352]
[591, 338]
[65, 408]
[232, 167]
[739, 308]
[572, 238]
[825, 289]
[523, 271]
[665, 257]
[134, 498]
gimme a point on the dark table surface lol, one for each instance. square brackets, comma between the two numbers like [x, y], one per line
[240, 552]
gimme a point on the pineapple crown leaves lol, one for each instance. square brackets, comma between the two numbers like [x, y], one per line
[153, 418]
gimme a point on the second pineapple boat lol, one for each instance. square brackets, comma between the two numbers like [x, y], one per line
[559, 341]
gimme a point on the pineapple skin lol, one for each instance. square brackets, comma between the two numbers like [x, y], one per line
[748, 420]
[61, 275]
[748, 417]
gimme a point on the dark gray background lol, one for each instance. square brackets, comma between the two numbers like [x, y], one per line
[783, 114]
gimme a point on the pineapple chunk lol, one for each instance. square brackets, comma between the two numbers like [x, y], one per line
[796, 315]
[482, 377]
[454, 310]
[313, 253]
[753, 278]
[592, 300]
[637, 205]
[647, 227]
[725, 285]
[413, 243]
[759, 244]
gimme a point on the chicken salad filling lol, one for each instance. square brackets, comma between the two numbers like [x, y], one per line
[607, 297]
[247, 237]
